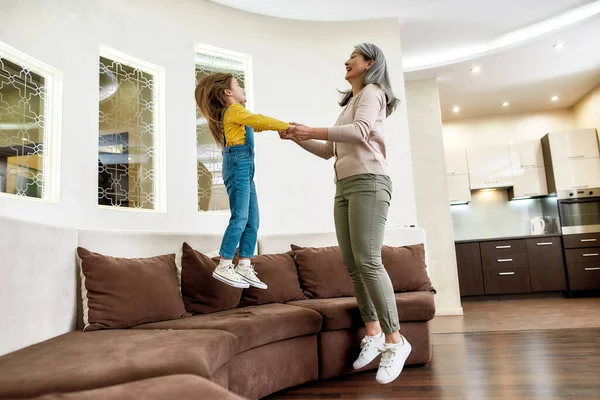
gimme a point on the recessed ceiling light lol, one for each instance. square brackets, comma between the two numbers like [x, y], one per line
[559, 45]
[505, 104]
[456, 109]
[476, 69]
[24, 139]
[554, 98]
[129, 158]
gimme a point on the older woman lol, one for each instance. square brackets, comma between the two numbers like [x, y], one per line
[362, 199]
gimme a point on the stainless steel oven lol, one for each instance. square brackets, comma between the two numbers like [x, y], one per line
[579, 210]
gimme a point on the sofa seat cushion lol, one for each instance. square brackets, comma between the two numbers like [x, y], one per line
[343, 313]
[88, 360]
[180, 387]
[254, 326]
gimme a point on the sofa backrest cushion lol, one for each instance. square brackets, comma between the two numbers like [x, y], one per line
[201, 292]
[279, 272]
[322, 272]
[406, 267]
[124, 292]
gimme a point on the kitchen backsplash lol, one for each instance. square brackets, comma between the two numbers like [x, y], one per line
[490, 214]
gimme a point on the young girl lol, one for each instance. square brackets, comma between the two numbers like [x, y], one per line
[220, 100]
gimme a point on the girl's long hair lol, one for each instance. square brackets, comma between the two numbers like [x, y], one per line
[211, 100]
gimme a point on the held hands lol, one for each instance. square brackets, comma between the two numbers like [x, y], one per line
[296, 132]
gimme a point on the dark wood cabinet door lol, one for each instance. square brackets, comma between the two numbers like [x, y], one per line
[470, 275]
[546, 265]
[581, 240]
[584, 275]
[504, 253]
[507, 280]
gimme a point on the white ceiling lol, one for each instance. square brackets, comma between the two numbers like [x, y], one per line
[511, 40]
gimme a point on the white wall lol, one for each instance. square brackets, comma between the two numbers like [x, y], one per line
[502, 129]
[587, 110]
[431, 191]
[297, 68]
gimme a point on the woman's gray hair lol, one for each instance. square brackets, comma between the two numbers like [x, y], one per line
[377, 74]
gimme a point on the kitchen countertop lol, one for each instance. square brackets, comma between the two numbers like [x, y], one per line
[493, 239]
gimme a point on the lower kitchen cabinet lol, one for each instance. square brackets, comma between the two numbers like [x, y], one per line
[513, 266]
[470, 274]
[546, 266]
[506, 280]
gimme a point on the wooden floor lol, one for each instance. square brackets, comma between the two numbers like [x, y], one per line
[525, 314]
[538, 364]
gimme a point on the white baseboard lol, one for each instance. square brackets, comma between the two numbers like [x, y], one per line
[443, 312]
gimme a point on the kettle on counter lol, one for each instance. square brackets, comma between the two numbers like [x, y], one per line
[538, 226]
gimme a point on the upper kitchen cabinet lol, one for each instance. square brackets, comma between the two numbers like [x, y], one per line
[457, 176]
[526, 154]
[459, 191]
[572, 160]
[489, 167]
[529, 176]
[576, 174]
[528, 182]
[456, 162]
[573, 145]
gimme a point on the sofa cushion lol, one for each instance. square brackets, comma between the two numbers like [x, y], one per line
[343, 313]
[180, 387]
[322, 272]
[87, 360]
[201, 292]
[406, 267]
[279, 272]
[254, 326]
[123, 292]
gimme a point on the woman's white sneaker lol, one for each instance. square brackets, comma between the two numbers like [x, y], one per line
[226, 274]
[393, 357]
[248, 274]
[370, 346]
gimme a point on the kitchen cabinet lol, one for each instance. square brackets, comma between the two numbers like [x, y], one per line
[528, 182]
[456, 162]
[576, 174]
[582, 253]
[459, 191]
[470, 274]
[529, 174]
[526, 154]
[573, 145]
[489, 167]
[546, 266]
[517, 265]
[457, 177]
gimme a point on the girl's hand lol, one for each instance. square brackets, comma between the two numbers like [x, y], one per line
[300, 132]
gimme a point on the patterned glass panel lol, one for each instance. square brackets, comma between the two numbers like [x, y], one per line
[23, 135]
[211, 190]
[126, 144]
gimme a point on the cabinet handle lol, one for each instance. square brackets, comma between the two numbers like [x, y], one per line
[528, 165]
[587, 240]
[490, 181]
[450, 172]
[509, 273]
[593, 269]
[544, 244]
[579, 156]
[504, 247]
[530, 194]
[505, 260]
[580, 187]
[591, 255]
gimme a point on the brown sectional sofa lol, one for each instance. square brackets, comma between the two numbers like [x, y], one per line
[246, 351]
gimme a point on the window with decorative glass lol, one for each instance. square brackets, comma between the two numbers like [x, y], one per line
[212, 195]
[127, 135]
[24, 129]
